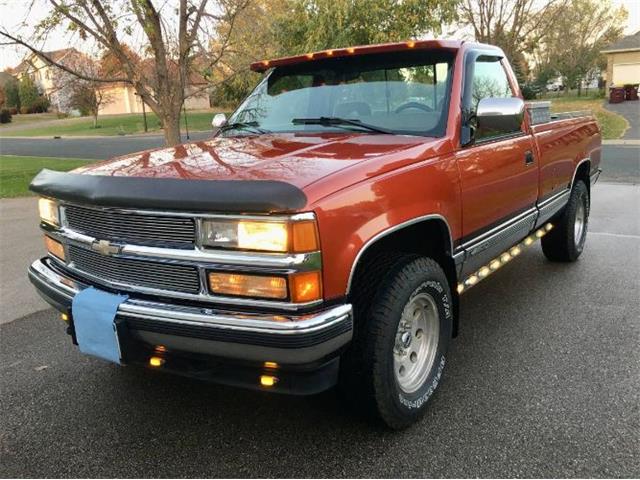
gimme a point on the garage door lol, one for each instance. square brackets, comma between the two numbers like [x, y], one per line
[625, 73]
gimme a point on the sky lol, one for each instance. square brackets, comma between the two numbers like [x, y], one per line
[13, 12]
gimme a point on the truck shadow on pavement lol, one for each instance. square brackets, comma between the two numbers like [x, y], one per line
[521, 396]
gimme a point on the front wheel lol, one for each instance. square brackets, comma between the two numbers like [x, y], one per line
[566, 241]
[398, 355]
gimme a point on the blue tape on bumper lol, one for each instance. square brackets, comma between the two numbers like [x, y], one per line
[94, 313]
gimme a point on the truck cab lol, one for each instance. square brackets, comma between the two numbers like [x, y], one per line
[323, 236]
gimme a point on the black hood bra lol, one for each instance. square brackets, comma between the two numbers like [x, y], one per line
[228, 196]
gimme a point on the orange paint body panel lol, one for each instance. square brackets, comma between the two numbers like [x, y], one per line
[361, 185]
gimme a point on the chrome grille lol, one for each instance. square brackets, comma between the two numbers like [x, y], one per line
[141, 229]
[142, 273]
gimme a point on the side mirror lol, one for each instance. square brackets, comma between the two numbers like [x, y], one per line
[498, 116]
[219, 120]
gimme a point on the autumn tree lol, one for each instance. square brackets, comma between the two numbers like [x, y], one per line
[309, 25]
[516, 26]
[593, 24]
[171, 34]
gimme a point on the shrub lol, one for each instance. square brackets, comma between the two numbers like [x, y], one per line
[40, 105]
[13, 110]
[5, 115]
[24, 110]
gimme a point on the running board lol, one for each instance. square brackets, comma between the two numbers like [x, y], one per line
[502, 259]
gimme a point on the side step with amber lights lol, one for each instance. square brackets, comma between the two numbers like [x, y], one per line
[502, 259]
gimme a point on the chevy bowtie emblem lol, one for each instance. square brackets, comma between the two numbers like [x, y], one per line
[105, 247]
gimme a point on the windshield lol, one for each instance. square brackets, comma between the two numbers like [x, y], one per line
[403, 93]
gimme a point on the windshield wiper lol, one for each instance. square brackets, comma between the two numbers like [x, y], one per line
[243, 126]
[339, 122]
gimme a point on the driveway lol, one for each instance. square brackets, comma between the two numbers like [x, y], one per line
[543, 381]
[631, 111]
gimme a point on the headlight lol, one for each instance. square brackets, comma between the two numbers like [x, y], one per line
[49, 212]
[261, 235]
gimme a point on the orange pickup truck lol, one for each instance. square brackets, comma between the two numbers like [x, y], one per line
[324, 234]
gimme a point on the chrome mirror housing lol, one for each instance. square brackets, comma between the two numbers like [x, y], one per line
[219, 120]
[499, 116]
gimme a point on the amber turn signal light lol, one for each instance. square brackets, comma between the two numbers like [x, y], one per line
[54, 247]
[304, 237]
[306, 287]
[248, 285]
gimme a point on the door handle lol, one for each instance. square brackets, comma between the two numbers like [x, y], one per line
[528, 158]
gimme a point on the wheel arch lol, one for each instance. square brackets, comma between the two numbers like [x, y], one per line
[428, 235]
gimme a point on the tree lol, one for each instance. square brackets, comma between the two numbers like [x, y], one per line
[88, 96]
[516, 26]
[593, 25]
[172, 34]
[28, 92]
[310, 25]
[3, 97]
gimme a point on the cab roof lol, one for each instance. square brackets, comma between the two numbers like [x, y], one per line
[450, 45]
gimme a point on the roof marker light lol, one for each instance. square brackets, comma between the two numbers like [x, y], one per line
[309, 56]
[329, 53]
[411, 44]
[351, 50]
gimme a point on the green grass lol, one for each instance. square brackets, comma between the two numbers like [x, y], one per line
[16, 172]
[612, 124]
[108, 125]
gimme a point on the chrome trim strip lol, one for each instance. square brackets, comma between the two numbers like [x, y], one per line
[487, 242]
[200, 297]
[575, 172]
[496, 230]
[390, 230]
[553, 198]
[298, 262]
[258, 322]
[279, 217]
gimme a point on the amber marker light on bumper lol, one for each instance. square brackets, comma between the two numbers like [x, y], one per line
[237, 284]
[54, 247]
[268, 380]
[505, 257]
[306, 287]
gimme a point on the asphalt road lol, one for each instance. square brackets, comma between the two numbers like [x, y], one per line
[543, 381]
[99, 148]
[620, 162]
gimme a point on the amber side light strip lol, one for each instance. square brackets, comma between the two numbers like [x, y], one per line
[502, 259]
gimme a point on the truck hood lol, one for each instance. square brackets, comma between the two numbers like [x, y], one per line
[298, 159]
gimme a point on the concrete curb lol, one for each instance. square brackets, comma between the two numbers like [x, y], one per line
[621, 142]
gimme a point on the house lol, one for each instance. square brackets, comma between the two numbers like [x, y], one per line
[623, 61]
[44, 74]
[122, 97]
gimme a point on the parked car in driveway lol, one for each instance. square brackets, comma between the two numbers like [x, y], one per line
[324, 236]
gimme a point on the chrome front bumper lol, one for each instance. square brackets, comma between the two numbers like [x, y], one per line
[256, 337]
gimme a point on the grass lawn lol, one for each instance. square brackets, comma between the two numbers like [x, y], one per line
[612, 124]
[16, 172]
[107, 125]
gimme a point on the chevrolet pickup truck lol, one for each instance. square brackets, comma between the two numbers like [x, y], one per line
[323, 236]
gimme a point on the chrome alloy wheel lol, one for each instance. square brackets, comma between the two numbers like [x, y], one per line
[416, 342]
[580, 223]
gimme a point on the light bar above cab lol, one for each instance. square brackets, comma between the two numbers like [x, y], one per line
[450, 45]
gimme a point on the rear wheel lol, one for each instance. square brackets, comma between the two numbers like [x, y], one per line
[566, 241]
[398, 354]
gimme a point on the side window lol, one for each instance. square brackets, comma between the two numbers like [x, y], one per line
[489, 80]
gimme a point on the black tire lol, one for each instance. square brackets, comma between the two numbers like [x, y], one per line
[368, 376]
[562, 244]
